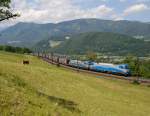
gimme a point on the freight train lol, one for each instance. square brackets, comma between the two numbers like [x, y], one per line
[121, 69]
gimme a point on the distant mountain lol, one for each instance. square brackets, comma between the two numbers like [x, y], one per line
[25, 34]
[28, 34]
[108, 43]
[1, 29]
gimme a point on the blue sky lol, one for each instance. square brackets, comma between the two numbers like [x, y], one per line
[119, 6]
[53, 11]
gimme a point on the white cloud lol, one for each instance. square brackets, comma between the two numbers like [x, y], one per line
[143, 1]
[136, 9]
[43, 11]
[117, 17]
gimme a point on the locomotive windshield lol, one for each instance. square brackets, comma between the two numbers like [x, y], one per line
[124, 66]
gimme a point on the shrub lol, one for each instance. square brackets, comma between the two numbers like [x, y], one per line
[15, 49]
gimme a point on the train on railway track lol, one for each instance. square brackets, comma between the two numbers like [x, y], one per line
[120, 69]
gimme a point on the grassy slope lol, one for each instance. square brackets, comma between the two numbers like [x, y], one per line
[42, 89]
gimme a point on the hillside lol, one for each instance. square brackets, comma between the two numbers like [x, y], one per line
[28, 34]
[108, 43]
[42, 89]
[46, 44]
[25, 34]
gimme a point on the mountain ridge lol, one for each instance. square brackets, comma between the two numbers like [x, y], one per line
[28, 34]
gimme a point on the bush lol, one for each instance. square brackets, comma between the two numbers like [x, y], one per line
[138, 67]
[136, 82]
[15, 49]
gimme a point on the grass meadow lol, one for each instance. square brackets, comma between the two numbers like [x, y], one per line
[41, 89]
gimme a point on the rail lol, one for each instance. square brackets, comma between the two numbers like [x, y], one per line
[141, 80]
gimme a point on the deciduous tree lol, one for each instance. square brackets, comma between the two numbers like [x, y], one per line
[91, 56]
[5, 12]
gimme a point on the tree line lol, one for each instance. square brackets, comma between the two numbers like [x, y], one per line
[139, 67]
[12, 49]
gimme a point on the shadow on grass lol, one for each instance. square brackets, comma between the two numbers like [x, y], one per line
[70, 105]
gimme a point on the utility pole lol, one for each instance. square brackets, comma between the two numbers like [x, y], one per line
[77, 64]
[137, 69]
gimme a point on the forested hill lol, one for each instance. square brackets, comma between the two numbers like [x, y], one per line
[108, 43]
[28, 34]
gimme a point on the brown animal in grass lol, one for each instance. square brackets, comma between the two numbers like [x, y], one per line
[25, 62]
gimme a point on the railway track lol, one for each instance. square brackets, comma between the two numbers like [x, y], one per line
[131, 79]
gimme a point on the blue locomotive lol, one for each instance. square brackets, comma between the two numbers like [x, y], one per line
[121, 69]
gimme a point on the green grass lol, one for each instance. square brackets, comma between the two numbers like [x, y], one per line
[40, 89]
